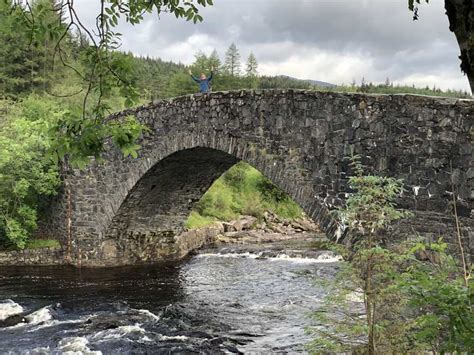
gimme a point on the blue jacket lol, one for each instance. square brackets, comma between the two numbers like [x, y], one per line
[204, 85]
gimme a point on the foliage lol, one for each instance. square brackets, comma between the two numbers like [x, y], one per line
[413, 8]
[156, 79]
[232, 61]
[25, 173]
[251, 68]
[341, 324]
[411, 296]
[25, 57]
[370, 208]
[214, 62]
[81, 147]
[284, 82]
[442, 302]
[239, 192]
[83, 133]
[423, 304]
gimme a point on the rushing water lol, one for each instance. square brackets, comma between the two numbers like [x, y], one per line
[214, 302]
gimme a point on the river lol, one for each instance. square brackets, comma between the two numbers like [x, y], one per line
[218, 301]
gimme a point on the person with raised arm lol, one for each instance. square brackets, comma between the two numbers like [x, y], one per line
[203, 81]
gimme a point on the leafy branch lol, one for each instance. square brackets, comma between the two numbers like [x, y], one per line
[83, 137]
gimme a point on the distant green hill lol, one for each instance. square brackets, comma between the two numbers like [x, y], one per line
[319, 83]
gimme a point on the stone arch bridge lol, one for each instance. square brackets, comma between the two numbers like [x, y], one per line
[128, 210]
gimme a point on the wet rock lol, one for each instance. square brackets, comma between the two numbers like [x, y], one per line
[196, 334]
[233, 349]
[13, 320]
[113, 321]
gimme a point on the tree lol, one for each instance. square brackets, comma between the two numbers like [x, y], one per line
[439, 299]
[25, 174]
[201, 63]
[461, 22]
[232, 61]
[83, 136]
[215, 62]
[251, 67]
[369, 211]
[414, 298]
[26, 58]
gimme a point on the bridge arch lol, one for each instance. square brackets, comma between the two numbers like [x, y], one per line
[298, 139]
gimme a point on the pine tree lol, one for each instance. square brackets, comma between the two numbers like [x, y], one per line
[16, 66]
[251, 67]
[232, 61]
[215, 61]
[201, 64]
[26, 57]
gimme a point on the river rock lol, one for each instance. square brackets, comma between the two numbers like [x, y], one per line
[305, 225]
[277, 228]
[229, 226]
[12, 320]
[248, 222]
[243, 223]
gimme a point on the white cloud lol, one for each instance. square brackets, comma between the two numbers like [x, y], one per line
[321, 65]
[443, 80]
[330, 40]
[177, 52]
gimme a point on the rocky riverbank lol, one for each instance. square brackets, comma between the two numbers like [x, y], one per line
[276, 233]
[272, 237]
[248, 231]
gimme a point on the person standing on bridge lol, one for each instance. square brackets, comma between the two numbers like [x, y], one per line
[203, 81]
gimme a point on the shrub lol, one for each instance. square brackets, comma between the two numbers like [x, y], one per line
[26, 173]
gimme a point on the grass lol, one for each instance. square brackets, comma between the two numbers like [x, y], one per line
[242, 190]
[42, 243]
[195, 220]
[33, 244]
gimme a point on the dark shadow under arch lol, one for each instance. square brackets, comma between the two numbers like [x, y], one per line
[157, 207]
[162, 199]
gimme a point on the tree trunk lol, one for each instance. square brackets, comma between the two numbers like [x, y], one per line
[461, 22]
[369, 301]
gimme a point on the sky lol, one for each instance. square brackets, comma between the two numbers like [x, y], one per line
[337, 41]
